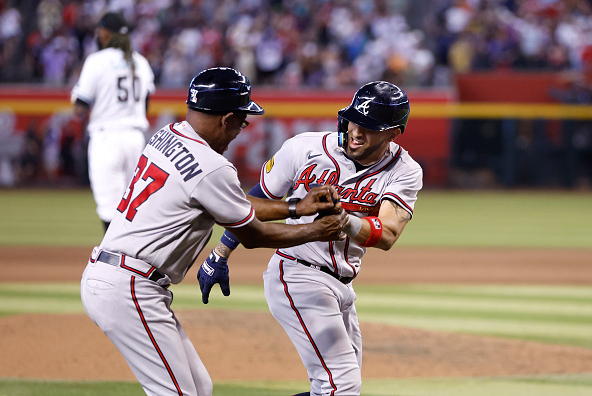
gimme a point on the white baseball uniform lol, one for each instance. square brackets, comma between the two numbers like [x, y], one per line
[117, 121]
[180, 188]
[308, 287]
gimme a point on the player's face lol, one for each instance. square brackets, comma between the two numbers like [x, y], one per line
[103, 37]
[234, 124]
[366, 146]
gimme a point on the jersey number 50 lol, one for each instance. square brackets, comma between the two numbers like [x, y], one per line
[158, 176]
[123, 89]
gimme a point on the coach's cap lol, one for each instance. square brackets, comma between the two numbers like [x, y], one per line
[222, 90]
[114, 22]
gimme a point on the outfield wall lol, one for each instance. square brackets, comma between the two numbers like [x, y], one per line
[481, 126]
[287, 114]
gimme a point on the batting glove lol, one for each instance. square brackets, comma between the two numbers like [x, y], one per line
[213, 270]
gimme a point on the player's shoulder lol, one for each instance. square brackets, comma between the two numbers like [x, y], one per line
[98, 60]
[187, 135]
[312, 135]
[105, 53]
[180, 145]
[140, 59]
[405, 163]
[309, 139]
[406, 157]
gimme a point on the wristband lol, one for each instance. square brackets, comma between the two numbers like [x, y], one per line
[292, 202]
[353, 226]
[229, 240]
[375, 231]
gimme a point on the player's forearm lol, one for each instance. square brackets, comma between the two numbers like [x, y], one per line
[320, 199]
[268, 209]
[277, 235]
[371, 232]
[223, 250]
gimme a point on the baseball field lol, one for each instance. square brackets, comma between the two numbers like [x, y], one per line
[486, 293]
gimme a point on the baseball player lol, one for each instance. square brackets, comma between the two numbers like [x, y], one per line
[308, 288]
[114, 87]
[182, 185]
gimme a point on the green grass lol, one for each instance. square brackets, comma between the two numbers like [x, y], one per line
[20, 387]
[552, 314]
[501, 219]
[557, 385]
[49, 218]
[442, 218]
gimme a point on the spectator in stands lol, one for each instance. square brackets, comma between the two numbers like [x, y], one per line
[309, 42]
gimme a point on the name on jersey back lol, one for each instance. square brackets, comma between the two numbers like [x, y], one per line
[173, 149]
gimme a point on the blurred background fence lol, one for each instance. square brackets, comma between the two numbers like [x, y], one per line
[501, 91]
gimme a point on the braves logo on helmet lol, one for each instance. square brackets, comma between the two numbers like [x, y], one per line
[364, 106]
[222, 90]
[376, 106]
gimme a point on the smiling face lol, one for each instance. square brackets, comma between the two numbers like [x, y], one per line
[366, 146]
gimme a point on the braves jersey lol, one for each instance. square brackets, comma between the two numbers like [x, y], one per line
[118, 99]
[180, 188]
[314, 158]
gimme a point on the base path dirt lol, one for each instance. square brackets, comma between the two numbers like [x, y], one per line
[70, 346]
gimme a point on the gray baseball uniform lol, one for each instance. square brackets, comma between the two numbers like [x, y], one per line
[308, 287]
[124, 286]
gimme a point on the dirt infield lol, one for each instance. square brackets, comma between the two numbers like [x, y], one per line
[70, 346]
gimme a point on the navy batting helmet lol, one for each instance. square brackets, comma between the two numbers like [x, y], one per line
[221, 90]
[376, 106]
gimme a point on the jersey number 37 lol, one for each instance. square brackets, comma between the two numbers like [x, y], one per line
[145, 171]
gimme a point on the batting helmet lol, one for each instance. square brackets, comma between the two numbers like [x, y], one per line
[376, 106]
[222, 90]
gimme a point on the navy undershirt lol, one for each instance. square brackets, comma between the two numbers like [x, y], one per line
[359, 166]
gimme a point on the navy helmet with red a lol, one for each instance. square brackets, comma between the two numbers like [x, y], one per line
[376, 106]
[222, 90]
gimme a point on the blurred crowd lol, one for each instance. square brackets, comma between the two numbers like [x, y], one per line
[319, 43]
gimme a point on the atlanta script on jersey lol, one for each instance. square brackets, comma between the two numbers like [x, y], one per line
[293, 171]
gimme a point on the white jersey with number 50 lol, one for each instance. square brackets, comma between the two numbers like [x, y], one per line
[314, 158]
[180, 188]
[117, 98]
